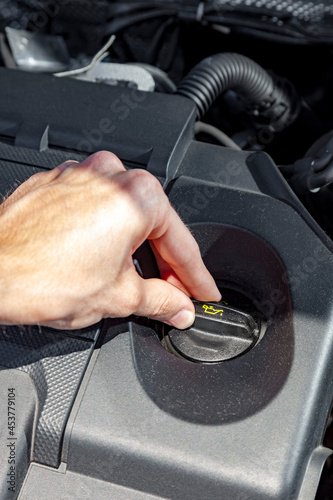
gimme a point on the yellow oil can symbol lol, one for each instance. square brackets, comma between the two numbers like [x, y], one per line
[211, 310]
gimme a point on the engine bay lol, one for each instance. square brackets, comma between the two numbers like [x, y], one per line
[228, 104]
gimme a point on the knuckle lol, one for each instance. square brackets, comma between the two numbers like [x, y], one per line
[64, 166]
[36, 178]
[144, 187]
[34, 181]
[104, 158]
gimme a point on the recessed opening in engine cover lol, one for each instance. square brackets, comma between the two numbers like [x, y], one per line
[239, 261]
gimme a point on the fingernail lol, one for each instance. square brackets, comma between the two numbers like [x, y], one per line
[183, 319]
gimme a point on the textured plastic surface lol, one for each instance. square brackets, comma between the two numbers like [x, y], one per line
[308, 12]
[18, 409]
[24, 156]
[248, 427]
[313, 12]
[149, 422]
[125, 121]
[56, 485]
[55, 362]
[18, 164]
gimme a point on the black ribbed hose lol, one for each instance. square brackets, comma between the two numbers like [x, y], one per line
[272, 103]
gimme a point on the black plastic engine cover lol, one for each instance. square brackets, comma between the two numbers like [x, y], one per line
[144, 129]
[147, 424]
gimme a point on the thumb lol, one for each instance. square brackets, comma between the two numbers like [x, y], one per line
[165, 302]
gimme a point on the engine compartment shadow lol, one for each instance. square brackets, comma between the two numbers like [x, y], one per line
[232, 390]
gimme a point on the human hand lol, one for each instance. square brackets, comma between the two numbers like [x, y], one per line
[66, 245]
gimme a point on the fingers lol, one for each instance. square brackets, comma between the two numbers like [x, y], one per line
[166, 271]
[102, 163]
[179, 250]
[175, 248]
[165, 302]
[117, 210]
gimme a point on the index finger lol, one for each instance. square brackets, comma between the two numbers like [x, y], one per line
[178, 248]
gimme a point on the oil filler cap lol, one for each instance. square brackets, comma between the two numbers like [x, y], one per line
[220, 332]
